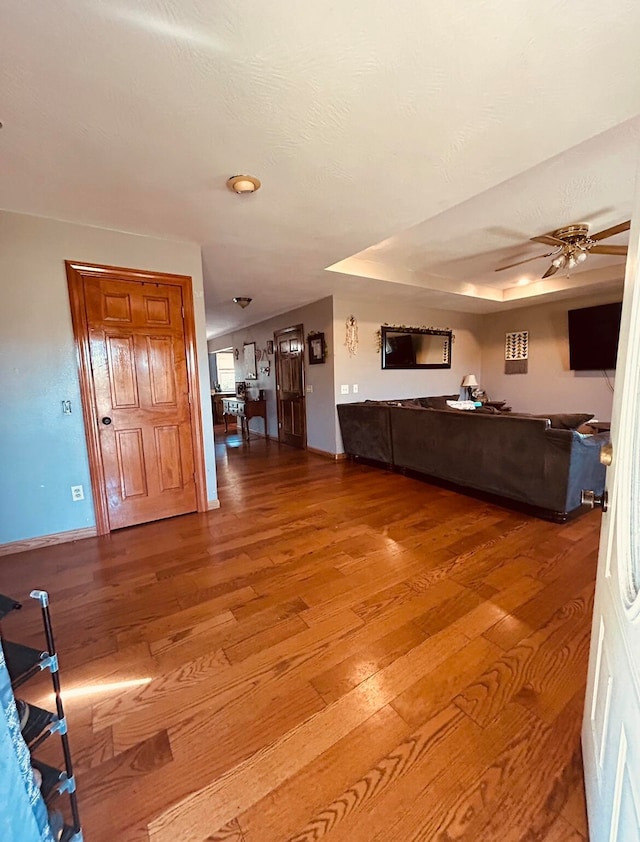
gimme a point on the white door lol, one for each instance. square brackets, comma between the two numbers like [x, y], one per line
[611, 728]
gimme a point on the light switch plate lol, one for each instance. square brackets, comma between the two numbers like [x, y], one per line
[355, 388]
[309, 389]
[344, 390]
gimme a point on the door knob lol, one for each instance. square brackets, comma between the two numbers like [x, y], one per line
[606, 454]
[106, 420]
[593, 500]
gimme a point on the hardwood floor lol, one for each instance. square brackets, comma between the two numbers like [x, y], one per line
[337, 653]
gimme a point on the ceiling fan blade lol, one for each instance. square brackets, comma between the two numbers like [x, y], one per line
[551, 271]
[611, 232]
[609, 250]
[548, 240]
[520, 262]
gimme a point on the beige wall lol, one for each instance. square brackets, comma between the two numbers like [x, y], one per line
[320, 403]
[364, 369]
[549, 386]
[43, 452]
[478, 348]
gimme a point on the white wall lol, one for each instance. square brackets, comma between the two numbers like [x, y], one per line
[320, 404]
[43, 452]
[549, 385]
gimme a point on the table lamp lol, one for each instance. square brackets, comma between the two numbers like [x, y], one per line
[469, 382]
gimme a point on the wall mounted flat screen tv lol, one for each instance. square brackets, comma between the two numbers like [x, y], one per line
[593, 337]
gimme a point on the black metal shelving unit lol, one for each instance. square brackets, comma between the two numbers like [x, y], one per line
[23, 662]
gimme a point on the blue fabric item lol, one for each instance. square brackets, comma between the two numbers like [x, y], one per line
[23, 815]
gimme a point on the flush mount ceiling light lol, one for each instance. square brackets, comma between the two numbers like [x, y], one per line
[242, 302]
[243, 184]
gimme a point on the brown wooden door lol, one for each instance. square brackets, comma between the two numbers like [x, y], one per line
[137, 349]
[289, 347]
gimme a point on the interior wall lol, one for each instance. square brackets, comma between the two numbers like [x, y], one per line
[364, 368]
[213, 369]
[549, 385]
[320, 404]
[43, 452]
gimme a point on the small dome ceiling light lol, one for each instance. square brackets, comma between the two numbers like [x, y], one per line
[242, 301]
[243, 184]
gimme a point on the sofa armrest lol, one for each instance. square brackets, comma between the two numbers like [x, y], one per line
[585, 469]
[366, 431]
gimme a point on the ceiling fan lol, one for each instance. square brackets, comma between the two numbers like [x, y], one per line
[572, 245]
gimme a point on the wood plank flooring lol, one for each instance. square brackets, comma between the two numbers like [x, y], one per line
[337, 653]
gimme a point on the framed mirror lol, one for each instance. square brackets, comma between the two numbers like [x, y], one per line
[410, 347]
[250, 366]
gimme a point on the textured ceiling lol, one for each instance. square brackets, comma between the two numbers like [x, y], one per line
[368, 123]
[460, 249]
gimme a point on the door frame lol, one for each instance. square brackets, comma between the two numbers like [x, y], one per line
[276, 349]
[76, 274]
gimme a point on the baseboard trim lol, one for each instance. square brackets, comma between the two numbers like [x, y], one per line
[326, 454]
[48, 540]
[213, 504]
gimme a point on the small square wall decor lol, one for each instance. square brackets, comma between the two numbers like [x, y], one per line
[516, 352]
[316, 348]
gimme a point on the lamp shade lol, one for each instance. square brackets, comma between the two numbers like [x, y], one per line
[469, 380]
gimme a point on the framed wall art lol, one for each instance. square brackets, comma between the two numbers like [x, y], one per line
[316, 348]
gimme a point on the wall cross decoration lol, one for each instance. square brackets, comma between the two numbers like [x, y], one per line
[351, 338]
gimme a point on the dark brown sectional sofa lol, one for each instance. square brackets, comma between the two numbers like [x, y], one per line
[515, 457]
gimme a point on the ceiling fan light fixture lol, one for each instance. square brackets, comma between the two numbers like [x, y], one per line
[572, 245]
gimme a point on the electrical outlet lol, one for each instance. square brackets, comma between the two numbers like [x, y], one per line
[77, 493]
[66, 407]
[344, 390]
[355, 388]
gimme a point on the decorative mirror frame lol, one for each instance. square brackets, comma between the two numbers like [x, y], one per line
[447, 341]
[250, 364]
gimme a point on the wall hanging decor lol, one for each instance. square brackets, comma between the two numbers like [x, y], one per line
[351, 338]
[250, 370]
[516, 352]
[317, 348]
[411, 347]
[446, 351]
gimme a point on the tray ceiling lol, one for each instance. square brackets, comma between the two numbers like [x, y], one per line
[425, 146]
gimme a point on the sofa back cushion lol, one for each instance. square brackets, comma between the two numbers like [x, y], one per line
[503, 454]
[439, 401]
[568, 420]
